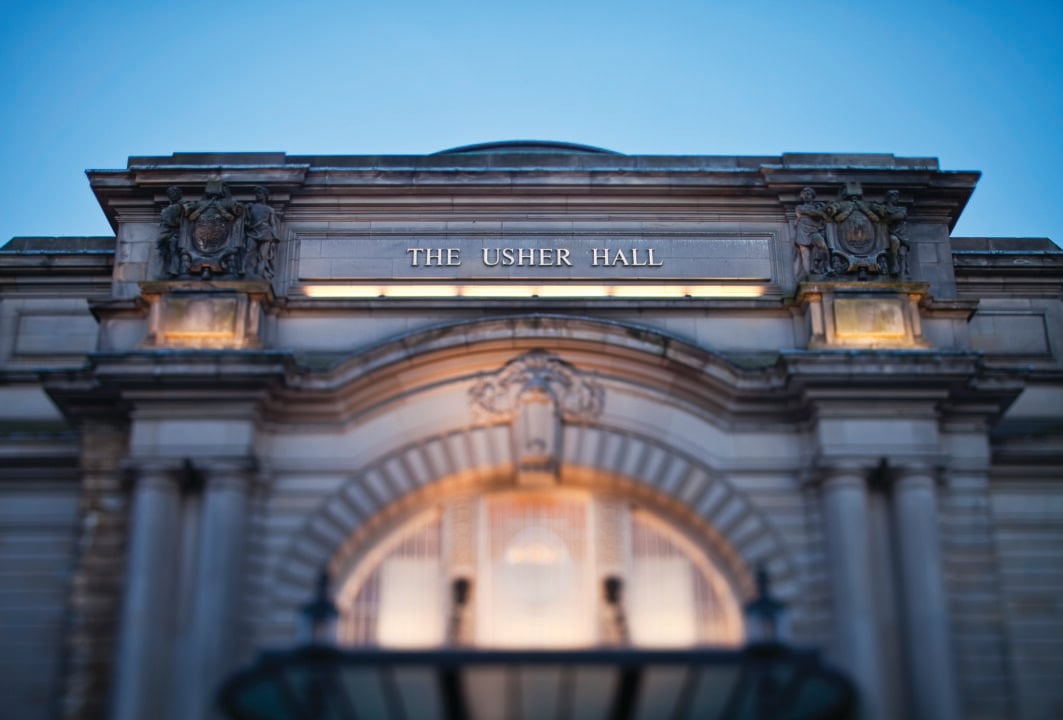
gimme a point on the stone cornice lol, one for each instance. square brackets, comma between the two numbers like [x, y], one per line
[111, 386]
[945, 385]
[1027, 273]
[30, 264]
[765, 186]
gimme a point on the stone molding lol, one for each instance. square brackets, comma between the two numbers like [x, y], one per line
[775, 394]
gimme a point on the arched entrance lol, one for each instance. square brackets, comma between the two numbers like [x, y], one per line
[505, 410]
[557, 567]
[519, 501]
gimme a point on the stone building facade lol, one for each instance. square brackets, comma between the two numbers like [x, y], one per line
[530, 360]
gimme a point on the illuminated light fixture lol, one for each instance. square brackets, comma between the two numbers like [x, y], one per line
[562, 291]
[553, 291]
[344, 291]
[488, 291]
[435, 291]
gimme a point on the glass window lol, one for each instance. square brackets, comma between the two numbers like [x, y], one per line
[549, 568]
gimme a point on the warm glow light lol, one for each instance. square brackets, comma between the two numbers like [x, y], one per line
[534, 565]
[430, 290]
[434, 291]
[555, 291]
[344, 291]
[661, 610]
[538, 554]
[489, 291]
[411, 602]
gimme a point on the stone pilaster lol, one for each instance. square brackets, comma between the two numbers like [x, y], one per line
[146, 635]
[96, 589]
[929, 659]
[217, 582]
[846, 520]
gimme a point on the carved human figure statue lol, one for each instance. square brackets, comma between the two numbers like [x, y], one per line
[170, 231]
[895, 215]
[261, 233]
[812, 217]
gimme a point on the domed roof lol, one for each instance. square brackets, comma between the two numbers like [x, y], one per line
[530, 147]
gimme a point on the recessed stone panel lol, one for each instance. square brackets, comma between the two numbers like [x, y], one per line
[200, 314]
[595, 256]
[1009, 333]
[53, 335]
[859, 318]
[200, 317]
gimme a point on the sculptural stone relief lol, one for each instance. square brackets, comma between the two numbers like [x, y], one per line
[535, 392]
[895, 217]
[851, 236]
[170, 232]
[217, 236]
[538, 372]
[261, 230]
[812, 254]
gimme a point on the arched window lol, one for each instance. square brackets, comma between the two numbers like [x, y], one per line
[550, 568]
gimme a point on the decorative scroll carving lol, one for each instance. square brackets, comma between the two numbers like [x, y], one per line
[850, 235]
[539, 372]
[536, 392]
[217, 236]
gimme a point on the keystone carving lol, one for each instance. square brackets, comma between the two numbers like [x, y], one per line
[851, 236]
[541, 373]
[217, 235]
[535, 392]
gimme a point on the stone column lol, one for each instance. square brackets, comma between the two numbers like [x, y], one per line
[146, 637]
[846, 521]
[218, 580]
[926, 618]
[96, 588]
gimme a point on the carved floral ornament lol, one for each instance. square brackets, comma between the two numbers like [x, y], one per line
[537, 373]
[536, 392]
[850, 235]
[217, 235]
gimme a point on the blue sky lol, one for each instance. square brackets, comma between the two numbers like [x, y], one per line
[977, 84]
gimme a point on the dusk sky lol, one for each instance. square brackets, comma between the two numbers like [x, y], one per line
[977, 84]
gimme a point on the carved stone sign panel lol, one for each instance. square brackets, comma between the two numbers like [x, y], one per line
[528, 256]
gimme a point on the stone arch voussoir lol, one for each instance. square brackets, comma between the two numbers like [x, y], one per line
[392, 487]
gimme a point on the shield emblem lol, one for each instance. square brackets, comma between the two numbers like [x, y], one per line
[211, 231]
[856, 234]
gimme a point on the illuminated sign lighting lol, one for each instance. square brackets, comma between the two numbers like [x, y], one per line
[428, 291]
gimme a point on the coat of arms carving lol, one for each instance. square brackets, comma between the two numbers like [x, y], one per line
[851, 236]
[217, 236]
